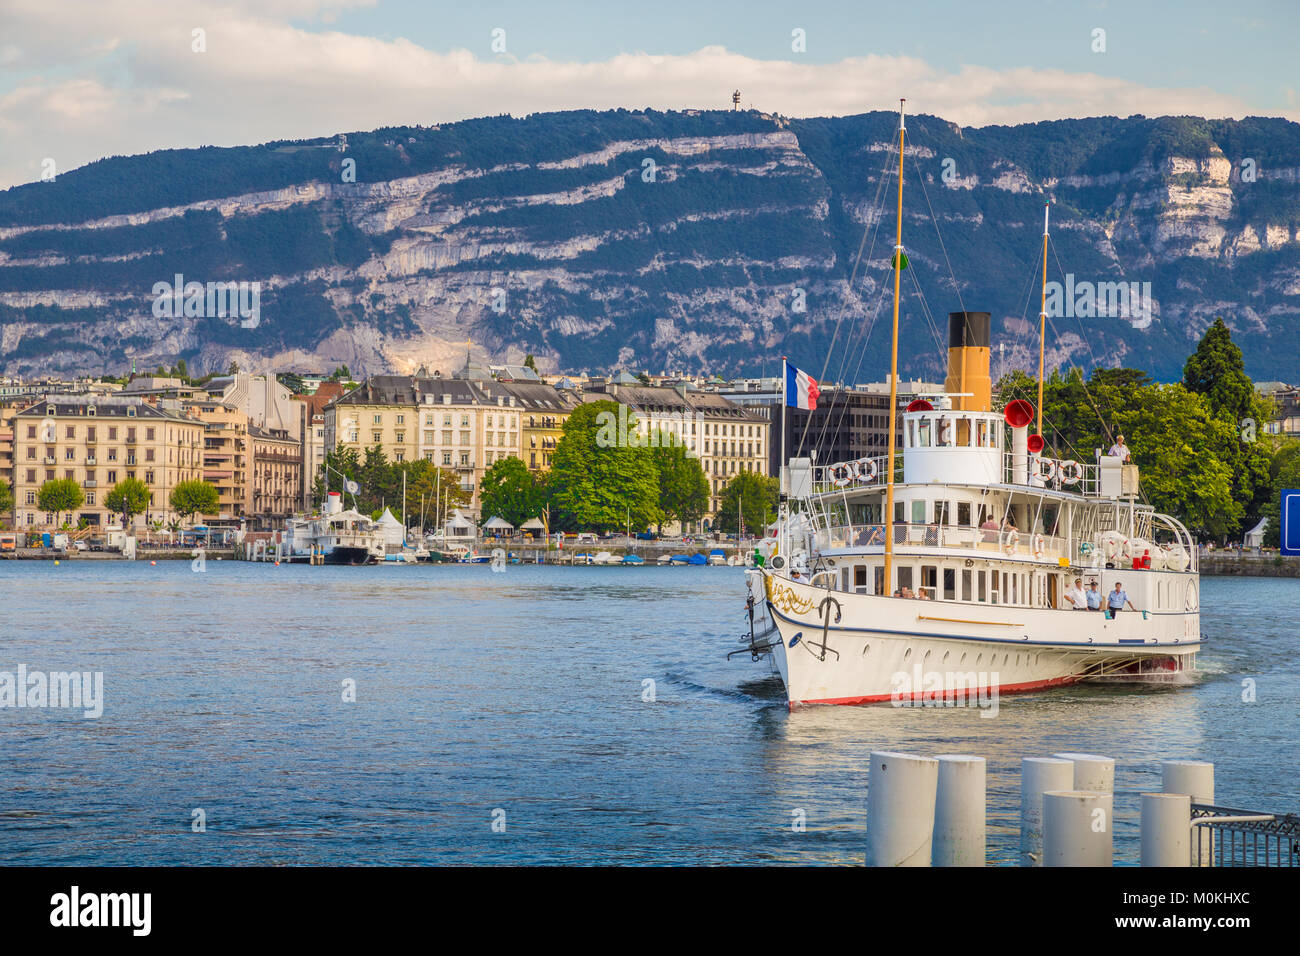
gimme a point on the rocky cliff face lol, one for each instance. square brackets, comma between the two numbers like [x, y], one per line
[694, 241]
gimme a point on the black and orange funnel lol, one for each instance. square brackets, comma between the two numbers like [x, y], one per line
[968, 361]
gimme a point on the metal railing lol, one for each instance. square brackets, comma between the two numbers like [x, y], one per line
[1081, 478]
[1225, 837]
[990, 541]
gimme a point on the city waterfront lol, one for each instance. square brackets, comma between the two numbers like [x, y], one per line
[590, 713]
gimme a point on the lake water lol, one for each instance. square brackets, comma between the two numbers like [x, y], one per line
[518, 697]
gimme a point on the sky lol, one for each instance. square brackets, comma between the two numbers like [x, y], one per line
[84, 79]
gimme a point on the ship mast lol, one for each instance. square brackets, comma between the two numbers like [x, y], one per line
[1042, 321]
[893, 366]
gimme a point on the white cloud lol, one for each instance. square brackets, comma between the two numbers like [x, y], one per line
[121, 78]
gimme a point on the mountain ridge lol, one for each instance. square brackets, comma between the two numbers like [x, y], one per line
[696, 240]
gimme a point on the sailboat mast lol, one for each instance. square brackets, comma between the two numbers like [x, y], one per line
[893, 365]
[1042, 320]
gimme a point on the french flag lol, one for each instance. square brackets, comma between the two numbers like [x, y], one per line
[801, 389]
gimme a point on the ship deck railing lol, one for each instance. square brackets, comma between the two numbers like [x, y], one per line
[988, 542]
[1225, 837]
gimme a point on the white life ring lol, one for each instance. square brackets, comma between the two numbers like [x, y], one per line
[867, 469]
[1045, 468]
[1011, 541]
[1071, 472]
[1112, 549]
[1038, 545]
[1126, 550]
[841, 475]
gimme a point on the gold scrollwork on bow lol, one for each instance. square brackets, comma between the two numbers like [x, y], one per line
[784, 598]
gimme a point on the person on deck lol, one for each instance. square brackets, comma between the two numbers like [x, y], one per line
[1094, 597]
[1119, 449]
[1077, 597]
[1116, 600]
[989, 530]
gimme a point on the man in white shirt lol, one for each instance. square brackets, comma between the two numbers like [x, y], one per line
[1119, 449]
[1077, 596]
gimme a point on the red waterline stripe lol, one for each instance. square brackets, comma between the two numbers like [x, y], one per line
[1002, 689]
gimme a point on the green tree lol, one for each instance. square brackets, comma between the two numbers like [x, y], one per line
[683, 487]
[191, 497]
[59, 495]
[1184, 453]
[128, 498]
[602, 473]
[508, 489]
[530, 362]
[754, 496]
[6, 499]
[1217, 371]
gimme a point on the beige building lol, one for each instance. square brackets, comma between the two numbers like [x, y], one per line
[726, 437]
[226, 456]
[275, 482]
[311, 415]
[455, 423]
[98, 441]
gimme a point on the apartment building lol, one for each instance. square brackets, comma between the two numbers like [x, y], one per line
[275, 478]
[97, 441]
[311, 416]
[226, 455]
[543, 410]
[726, 437]
[457, 424]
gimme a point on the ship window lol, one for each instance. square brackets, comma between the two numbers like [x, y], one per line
[963, 513]
[844, 579]
[899, 515]
[982, 584]
[904, 577]
[942, 512]
[949, 584]
[947, 433]
[911, 435]
[860, 578]
[923, 433]
[930, 579]
[918, 512]
[878, 579]
[966, 593]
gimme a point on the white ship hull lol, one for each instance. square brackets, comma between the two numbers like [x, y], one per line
[880, 648]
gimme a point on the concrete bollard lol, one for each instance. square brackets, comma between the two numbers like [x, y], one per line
[1077, 828]
[1196, 779]
[1192, 777]
[900, 809]
[1092, 772]
[1037, 776]
[1166, 829]
[959, 812]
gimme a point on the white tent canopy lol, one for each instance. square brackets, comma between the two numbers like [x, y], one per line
[459, 525]
[1255, 536]
[497, 523]
[533, 524]
[394, 533]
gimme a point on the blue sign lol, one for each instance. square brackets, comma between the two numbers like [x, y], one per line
[1291, 521]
